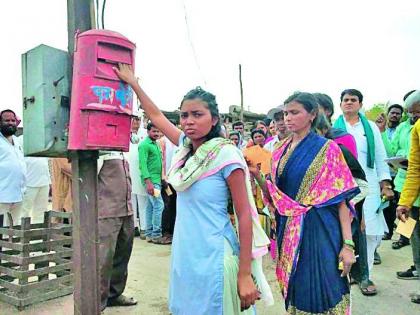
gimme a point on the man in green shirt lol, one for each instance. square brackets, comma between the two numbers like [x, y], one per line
[150, 160]
[400, 146]
[388, 126]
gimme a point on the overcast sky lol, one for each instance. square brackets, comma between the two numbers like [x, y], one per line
[284, 46]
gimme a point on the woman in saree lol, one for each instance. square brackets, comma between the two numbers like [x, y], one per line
[261, 125]
[258, 137]
[214, 269]
[308, 189]
[258, 125]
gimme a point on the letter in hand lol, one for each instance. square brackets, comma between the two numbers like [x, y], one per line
[402, 213]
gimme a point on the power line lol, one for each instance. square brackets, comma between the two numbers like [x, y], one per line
[103, 14]
[102, 22]
[97, 15]
[192, 44]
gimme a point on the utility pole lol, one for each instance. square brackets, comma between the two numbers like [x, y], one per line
[80, 17]
[242, 93]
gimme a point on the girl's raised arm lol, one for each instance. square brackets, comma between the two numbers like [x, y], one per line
[125, 73]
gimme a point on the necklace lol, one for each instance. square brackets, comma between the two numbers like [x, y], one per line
[294, 144]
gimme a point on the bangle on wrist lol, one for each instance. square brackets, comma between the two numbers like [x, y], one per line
[348, 248]
[349, 243]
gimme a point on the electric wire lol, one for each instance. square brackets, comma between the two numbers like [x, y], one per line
[192, 44]
[97, 15]
[103, 14]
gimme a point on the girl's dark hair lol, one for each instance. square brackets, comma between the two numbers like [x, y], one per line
[259, 122]
[255, 131]
[210, 99]
[323, 124]
[267, 121]
[325, 102]
[308, 101]
[234, 133]
[150, 125]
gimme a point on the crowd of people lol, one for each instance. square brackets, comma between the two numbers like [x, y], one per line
[323, 207]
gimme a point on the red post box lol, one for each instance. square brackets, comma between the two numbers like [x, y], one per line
[101, 104]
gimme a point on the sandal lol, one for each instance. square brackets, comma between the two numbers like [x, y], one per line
[368, 288]
[164, 240]
[377, 259]
[399, 244]
[415, 298]
[352, 281]
[122, 300]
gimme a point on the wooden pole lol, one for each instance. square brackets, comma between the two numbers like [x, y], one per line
[242, 93]
[84, 188]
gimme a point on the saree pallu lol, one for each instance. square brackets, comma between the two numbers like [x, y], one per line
[306, 186]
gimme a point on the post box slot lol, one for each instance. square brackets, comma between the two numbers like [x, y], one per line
[107, 61]
[108, 56]
[114, 53]
[104, 69]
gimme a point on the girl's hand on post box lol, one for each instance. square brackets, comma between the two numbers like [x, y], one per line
[125, 73]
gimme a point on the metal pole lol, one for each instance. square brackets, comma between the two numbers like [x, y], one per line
[242, 93]
[80, 14]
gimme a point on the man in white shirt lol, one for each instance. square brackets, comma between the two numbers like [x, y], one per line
[239, 126]
[371, 155]
[12, 168]
[38, 180]
[138, 192]
[282, 132]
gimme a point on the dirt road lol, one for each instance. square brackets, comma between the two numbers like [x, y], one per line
[149, 273]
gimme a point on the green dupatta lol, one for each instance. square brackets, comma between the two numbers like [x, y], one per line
[340, 124]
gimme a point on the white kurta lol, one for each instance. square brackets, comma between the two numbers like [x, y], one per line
[133, 160]
[37, 170]
[375, 221]
[12, 171]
